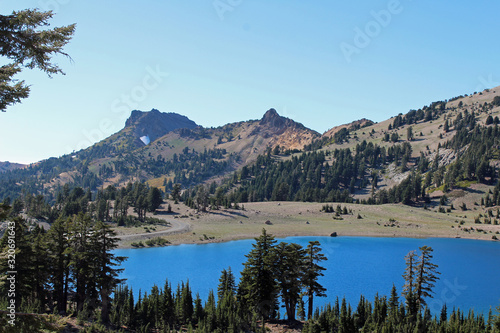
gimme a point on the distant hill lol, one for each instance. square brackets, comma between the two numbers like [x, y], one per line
[357, 124]
[8, 166]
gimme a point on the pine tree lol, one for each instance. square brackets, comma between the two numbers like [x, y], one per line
[25, 289]
[154, 199]
[312, 271]
[426, 276]
[41, 272]
[257, 288]
[201, 198]
[210, 312]
[103, 243]
[409, 133]
[420, 276]
[82, 268]
[289, 270]
[409, 288]
[393, 303]
[26, 45]
[168, 305]
[446, 127]
[176, 193]
[59, 257]
[226, 284]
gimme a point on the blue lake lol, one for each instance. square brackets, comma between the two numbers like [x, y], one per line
[470, 269]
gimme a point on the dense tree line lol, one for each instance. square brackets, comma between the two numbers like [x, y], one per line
[390, 315]
[310, 177]
[187, 168]
[481, 144]
[70, 268]
[106, 205]
[427, 113]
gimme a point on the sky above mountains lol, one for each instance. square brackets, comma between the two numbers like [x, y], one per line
[217, 61]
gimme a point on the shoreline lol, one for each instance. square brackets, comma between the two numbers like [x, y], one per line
[288, 219]
[234, 239]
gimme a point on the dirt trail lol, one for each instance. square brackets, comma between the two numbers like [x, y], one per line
[177, 227]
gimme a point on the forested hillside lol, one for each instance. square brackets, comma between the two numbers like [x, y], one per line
[447, 145]
[442, 147]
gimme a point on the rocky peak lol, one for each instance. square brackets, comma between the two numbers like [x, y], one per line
[273, 119]
[149, 126]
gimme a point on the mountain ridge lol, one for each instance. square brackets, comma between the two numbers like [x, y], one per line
[189, 154]
[8, 166]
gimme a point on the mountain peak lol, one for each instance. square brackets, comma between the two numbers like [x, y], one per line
[271, 113]
[148, 126]
[272, 118]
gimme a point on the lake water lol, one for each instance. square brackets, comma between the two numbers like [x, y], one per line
[470, 269]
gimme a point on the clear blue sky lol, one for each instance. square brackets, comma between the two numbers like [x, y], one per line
[231, 60]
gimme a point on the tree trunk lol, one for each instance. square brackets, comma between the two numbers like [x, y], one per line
[310, 306]
[62, 307]
[105, 306]
[291, 310]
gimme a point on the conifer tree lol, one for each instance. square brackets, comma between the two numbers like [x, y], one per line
[420, 276]
[426, 275]
[393, 303]
[257, 288]
[80, 231]
[409, 288]
[105, 263]
[154, 199]
[312, 271]
[289, 264]
[26, 45]
[176, 193]
[168, 305]
[226, 284]
[59, 257]
[25, 285]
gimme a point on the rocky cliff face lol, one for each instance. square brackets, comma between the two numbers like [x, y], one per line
[149, 126]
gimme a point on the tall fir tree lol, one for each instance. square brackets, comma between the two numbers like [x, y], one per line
[312, 271]
[427, 275]
[289, 265]
[104, 241]
[409, 288]
[257, 288]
